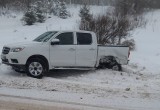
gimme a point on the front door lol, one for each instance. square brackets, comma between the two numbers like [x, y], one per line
[63, 54]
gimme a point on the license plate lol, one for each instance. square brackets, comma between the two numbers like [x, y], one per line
[3, 57]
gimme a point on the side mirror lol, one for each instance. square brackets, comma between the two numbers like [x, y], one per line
[55, 42]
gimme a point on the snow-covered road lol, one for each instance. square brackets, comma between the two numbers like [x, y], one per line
[23, 103]
[104, 83]
[85, 101]
[103, 88]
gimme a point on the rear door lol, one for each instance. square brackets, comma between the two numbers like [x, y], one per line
[86, 50]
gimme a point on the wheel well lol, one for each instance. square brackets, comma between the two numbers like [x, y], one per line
[107, 62]
[41, 57]
[105, 59]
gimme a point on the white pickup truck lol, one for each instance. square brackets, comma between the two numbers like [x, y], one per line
[63, 50]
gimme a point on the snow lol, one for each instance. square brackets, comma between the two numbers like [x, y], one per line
[85, 100]
[147, 39]
[137, 87]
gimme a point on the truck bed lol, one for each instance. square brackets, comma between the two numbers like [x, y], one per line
[119, 52]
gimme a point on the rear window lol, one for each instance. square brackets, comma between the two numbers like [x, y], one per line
[84, 39]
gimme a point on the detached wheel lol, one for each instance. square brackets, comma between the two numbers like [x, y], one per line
[35, 68]
[117, 67]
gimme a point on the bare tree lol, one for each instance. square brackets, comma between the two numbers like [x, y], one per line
[115, 26]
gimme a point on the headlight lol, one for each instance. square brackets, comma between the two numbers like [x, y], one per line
[18, 49]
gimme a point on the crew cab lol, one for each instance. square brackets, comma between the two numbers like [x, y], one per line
[63, 50]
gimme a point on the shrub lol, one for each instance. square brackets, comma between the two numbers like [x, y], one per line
[85, 13]
[39, 10]
[115, 26]
[35, 14]
[130, 43]
[129, 7]
[109, 29]
[56, 8]
[63, 13]
[29, 18]
[40, 16]
[86, 18]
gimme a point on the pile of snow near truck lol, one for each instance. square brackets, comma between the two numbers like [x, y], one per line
[63, 50]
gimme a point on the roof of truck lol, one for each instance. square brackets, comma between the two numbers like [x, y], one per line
[74, 31]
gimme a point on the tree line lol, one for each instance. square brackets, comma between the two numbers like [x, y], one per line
[113, 27]
[26, 3]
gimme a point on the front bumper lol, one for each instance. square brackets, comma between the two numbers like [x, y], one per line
[18, 58]
[13, 60]
[15, 66]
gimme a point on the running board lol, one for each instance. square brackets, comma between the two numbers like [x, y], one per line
[74, 68]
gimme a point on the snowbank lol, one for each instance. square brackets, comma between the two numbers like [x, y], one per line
[147, 54]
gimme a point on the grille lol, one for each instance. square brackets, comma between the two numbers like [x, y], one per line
[5, 61]
[5, 50]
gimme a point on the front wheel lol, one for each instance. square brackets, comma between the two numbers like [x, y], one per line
[35, 68]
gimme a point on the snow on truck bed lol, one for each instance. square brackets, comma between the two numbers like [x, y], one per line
[139, 83]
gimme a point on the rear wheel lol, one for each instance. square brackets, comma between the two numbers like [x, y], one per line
[110, 63]
[35, 68]
[117, 67]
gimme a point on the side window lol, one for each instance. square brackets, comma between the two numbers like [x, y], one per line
[84, 39]
[66, 38]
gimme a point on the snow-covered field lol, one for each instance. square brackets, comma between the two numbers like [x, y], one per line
[137, 87]
[147, 52]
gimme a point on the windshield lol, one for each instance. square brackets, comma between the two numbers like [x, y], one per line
[45, 36]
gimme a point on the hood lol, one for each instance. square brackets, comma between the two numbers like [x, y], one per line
[23, 44]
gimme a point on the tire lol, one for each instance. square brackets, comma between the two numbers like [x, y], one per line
[35, 68]
[110, 63]
[117, 67]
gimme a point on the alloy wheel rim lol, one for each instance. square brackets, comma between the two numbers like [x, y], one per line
[35, 68]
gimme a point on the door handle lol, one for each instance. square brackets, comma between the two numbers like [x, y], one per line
[72, 49]
[92, 49]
